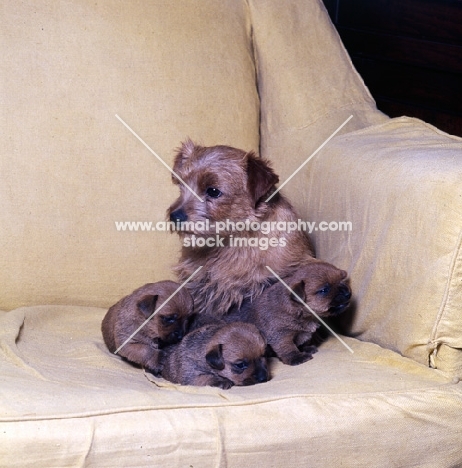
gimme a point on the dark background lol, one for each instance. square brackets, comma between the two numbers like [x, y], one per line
[409, 53]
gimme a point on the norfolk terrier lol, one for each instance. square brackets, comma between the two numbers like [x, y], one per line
[285, 322]
[234, 186]
[166, 327]
[218, 354]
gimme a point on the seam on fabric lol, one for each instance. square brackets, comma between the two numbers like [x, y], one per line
[221, 461]
[444, 301]
[254, 52]
[442, 388]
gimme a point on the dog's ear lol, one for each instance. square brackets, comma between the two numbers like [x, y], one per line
[260, 177]
[215, 359]
[183, 152]
[147, 305]
[299, 290]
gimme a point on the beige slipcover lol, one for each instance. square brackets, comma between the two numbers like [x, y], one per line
[264, 75]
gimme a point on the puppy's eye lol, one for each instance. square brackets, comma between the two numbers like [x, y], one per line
[240, 366]
[213, 192]
[169, 319]
[324, 291]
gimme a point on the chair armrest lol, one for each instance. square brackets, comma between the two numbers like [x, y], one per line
[399, 184]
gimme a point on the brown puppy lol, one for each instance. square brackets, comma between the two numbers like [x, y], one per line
[168, 326]
[219, 355]
[234, 186]
[285, 322]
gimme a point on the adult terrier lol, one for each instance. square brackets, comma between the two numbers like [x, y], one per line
[234, 186]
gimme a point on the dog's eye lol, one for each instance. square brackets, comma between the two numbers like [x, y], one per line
[240, 366]
[324, 291]
[213, 192]
[169, 319]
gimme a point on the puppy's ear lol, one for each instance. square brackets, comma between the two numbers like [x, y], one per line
[215, 359]
[299, 290]
[183, 152]
[147, 305]
[260, 177]
[192, 322]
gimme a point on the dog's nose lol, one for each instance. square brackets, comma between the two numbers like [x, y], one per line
[341, 301]
[344, 293]
[178, 216]
[261, 374]
[177, 335]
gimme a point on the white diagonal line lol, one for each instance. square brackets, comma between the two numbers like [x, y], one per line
[155, 312]
[317, 151]
[160, 159]
[310, 309]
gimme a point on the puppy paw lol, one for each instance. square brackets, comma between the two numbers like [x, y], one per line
[224, 384]
[308, 348]
[294, 359]
[155, 364]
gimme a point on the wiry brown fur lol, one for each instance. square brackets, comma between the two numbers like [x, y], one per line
[166, 327]
[231, 274]
[286, 323]
[219, 355]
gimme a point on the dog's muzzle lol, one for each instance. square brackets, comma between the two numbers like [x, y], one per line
[259, 376]
[178, 216]
[341, 301]
[171, 338]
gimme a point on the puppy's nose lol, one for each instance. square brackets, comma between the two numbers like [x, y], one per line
[178, 216]
[261, 374]
[344, 293]
[177, 335]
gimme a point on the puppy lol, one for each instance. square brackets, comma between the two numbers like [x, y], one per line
[285, 322]
[168, 326]
[234, 186]
[219, 355]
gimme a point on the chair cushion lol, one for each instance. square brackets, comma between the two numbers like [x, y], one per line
[65, 400]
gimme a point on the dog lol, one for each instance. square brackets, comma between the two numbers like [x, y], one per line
[219, 355]
[234, 186]
[167, 326]
[285, 322]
